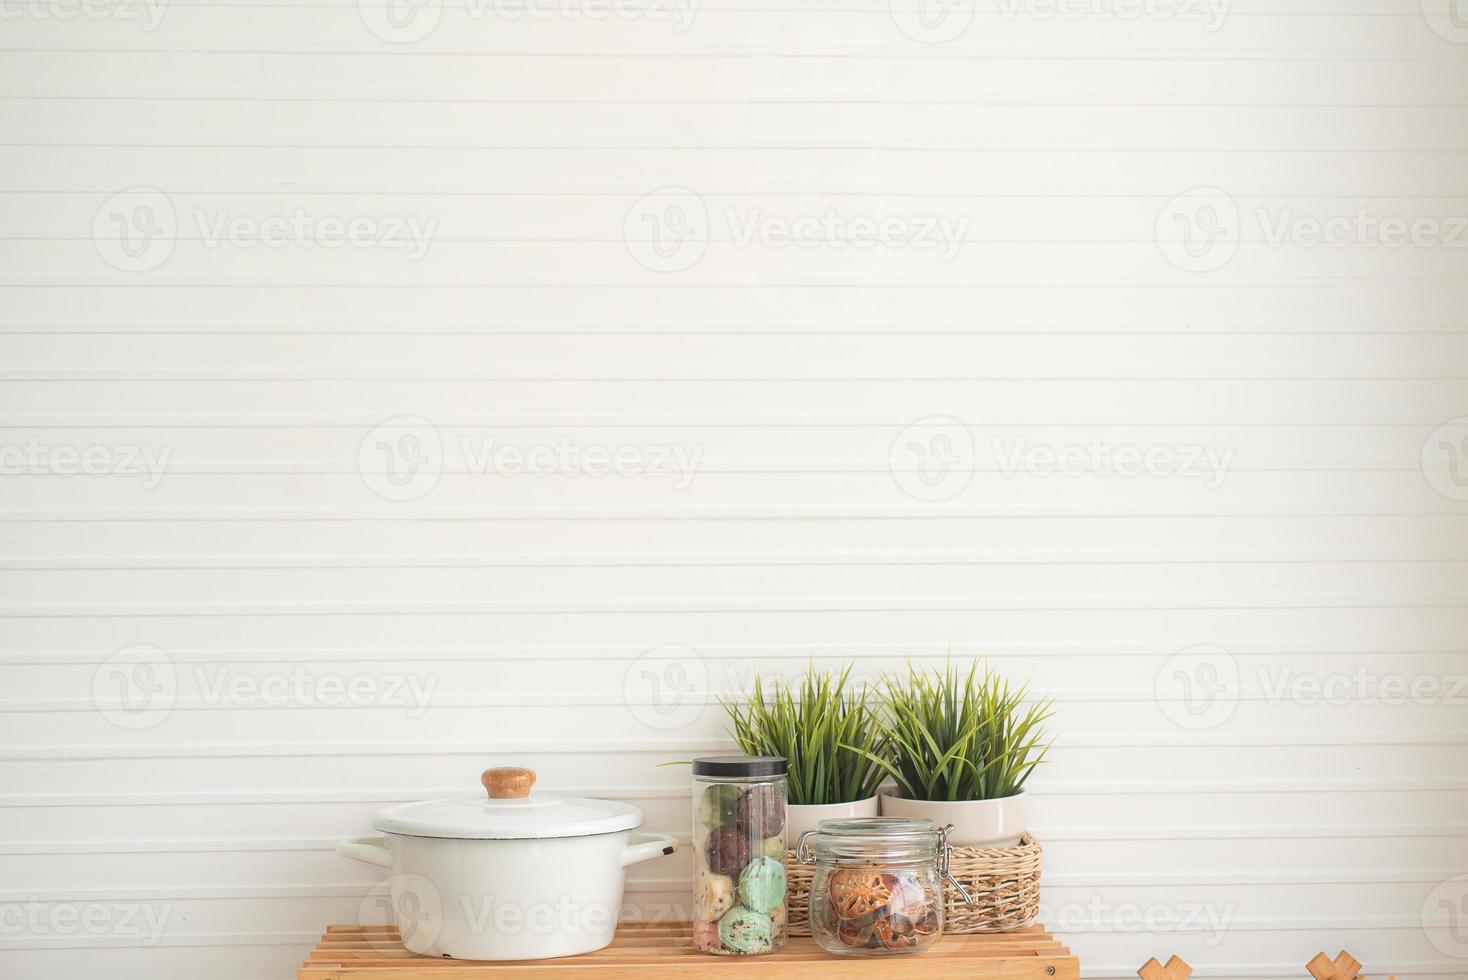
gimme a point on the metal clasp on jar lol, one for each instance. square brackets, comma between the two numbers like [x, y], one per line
[945, 862]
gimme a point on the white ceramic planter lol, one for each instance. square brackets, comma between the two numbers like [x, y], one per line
[800, 818]
[513, 878]
[976, 823]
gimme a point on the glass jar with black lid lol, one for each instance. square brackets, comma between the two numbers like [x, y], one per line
[739, 882]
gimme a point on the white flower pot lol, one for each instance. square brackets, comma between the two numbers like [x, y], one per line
[976, 823]
[799, 818]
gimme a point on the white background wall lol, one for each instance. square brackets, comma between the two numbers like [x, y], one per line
[274, 549]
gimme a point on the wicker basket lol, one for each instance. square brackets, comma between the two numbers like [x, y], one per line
[1004, 883]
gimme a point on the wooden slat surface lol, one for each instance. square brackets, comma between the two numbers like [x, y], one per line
[663, 952]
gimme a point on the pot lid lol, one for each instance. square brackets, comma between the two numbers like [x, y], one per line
[509, 813]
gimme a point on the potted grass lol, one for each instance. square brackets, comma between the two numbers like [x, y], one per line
[828, 730]
[960, 749]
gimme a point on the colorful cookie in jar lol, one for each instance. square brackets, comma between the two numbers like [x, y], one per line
[713, 895]
[745, 931]
[725, 851]
[762, 885]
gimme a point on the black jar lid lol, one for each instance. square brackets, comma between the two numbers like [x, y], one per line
[740, 765]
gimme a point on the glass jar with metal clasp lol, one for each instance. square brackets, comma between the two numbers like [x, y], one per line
[878, 885]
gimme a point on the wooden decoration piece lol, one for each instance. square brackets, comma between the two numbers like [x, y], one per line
[1175, 969]
[1343, 967]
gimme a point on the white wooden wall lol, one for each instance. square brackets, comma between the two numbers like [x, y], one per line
[1096, 230]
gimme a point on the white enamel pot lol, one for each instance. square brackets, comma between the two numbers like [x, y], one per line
[511, 877]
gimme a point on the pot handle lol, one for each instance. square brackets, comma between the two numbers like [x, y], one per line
[644, 847]
[371, 850]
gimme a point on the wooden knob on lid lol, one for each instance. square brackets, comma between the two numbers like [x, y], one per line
[508, 782]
